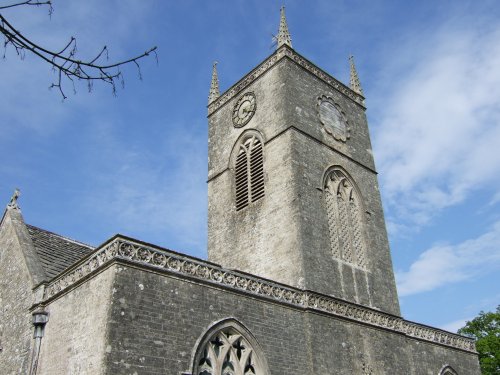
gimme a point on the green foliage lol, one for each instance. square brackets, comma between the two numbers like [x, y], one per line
[486, 330]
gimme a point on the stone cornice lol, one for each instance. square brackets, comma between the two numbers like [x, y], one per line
[150, 257]
[283, 52]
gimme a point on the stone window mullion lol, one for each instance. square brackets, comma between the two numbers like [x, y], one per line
[332, 210]
[356, 232]
[344, 219]
[344, 230]
[227, 352]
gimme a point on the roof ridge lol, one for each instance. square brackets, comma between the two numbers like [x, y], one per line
[62, 237]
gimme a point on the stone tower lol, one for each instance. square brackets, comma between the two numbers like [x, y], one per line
[292, 187]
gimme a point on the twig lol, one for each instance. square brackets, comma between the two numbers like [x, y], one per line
[65, 61]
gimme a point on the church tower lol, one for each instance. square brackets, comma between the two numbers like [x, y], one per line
[292, 187]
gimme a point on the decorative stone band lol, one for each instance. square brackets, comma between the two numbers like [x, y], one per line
[283, 51]
[139, 254]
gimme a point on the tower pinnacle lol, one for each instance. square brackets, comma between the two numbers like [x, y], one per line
[283, 34]
[214, 85]
[354, 81]
[13, 201]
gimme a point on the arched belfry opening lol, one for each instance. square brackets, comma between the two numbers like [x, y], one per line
[228, 348]
[344, 208]
[248, 170]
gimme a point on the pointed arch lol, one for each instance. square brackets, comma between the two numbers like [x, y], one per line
[248, 161]
[344, 208]
[228, 348]
[448, 370]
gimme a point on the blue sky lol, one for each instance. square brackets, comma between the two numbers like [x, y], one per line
[95, 165]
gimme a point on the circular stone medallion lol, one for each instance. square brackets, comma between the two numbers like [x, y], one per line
[333, 119]
[244, 109]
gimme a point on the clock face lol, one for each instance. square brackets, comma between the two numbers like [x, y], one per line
[244, 109]
[333, 119]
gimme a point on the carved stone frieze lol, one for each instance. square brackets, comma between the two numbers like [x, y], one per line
[283, 51]
[184, 266]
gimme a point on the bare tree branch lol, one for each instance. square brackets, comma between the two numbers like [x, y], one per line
[30, 2]
[65, 62]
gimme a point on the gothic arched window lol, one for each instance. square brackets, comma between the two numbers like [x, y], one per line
[249, 171]
[344, 210]
[226, 350]
[448, 370]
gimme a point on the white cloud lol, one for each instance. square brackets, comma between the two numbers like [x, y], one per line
[154, 192]
[495, 199]
[437, 139]
[445, 264]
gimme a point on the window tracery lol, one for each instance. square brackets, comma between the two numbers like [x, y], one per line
[448, 370]
[345, 225]
[249, 172]
[227, 352]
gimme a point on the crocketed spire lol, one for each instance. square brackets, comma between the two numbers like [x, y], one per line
[354, 81]
[283, 34]
[214, 85]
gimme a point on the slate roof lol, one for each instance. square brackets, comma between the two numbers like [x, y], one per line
[56, 252]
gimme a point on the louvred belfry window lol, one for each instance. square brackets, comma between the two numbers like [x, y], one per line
[249, 172]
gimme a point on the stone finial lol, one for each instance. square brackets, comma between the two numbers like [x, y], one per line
[283, 34]
[13, 201]
[354, 81]
[214, 85]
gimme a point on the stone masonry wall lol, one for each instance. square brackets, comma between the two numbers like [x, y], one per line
[373, 286]
[16, 298]
[314, 150]
[157, 320]
[75, 336]
[261, 238]
[343, 347]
